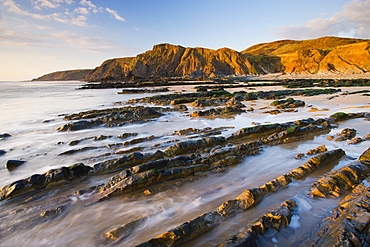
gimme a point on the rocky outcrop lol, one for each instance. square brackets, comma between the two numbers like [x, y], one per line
[275, 219]
[346, 178]
[347, 59]
[323, 55]
[41, 181]
[112, 69]
[68, 75]
[109, 117]
[166, 60]
[349, 224]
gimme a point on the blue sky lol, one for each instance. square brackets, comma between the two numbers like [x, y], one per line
[42, 36]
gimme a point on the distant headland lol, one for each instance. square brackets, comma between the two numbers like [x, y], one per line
[326, 56]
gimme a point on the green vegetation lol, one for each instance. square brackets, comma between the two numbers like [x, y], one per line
[251, 96]
[293, 129]
[279, 102]
[182, 101]
[356, 92]
[340, 116]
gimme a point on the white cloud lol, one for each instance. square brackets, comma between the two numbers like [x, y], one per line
[39, 4]
[77, 16]
[65, 40]
[81, 10]
[115, 14]
[90, 44]
[87, 3]
[352, 20]
[90, 6]
[12, 38]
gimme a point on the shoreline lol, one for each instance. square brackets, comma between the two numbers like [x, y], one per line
[142, 175]
[280, 76]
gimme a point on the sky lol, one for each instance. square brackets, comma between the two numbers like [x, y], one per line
[42, 36]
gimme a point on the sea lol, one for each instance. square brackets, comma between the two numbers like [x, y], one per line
[30, 112]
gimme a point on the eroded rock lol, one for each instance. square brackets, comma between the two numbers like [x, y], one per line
[349, 224]
[40, 181]
[109, 117]
[343, 179]
[12, 164]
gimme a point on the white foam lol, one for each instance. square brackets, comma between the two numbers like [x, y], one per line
[366, 183]
[294, 222]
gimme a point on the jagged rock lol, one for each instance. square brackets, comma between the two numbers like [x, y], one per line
[349, 224]
[205, 102]
[299, 156]
[131, 150]
[38, 182]
[77, 150]
[356, 140]
[183, 147]
[109, 117]
[235, 104]
[187, 131]
[124, 230]
[186, 231]
[180, 108]
[319, 149]
[126, 135]
[5, 135]
[315, 162]
[338, 181]
[217, 112]
[288, 103]
[54, 212]
[79, 125]
[12, 164]
[365, 156]
[275, 219]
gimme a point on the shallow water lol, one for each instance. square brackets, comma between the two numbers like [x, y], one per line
[26, 105]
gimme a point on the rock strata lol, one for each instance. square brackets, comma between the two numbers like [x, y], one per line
[346, 178]
[109, 117]
[41, 181]
[349, 224]
[274, 219]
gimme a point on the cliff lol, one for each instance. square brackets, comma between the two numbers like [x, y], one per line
[68, 75]
[166, 60]
[323, 55]
[326, 55]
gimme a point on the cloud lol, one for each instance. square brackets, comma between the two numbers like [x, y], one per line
[82, 11]
[90, 6]
[115, 14]
[353, 20]
[89, 44]
[77, 16]
[39, 4]
[87, 3]
[12, 38]
[64, 39]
